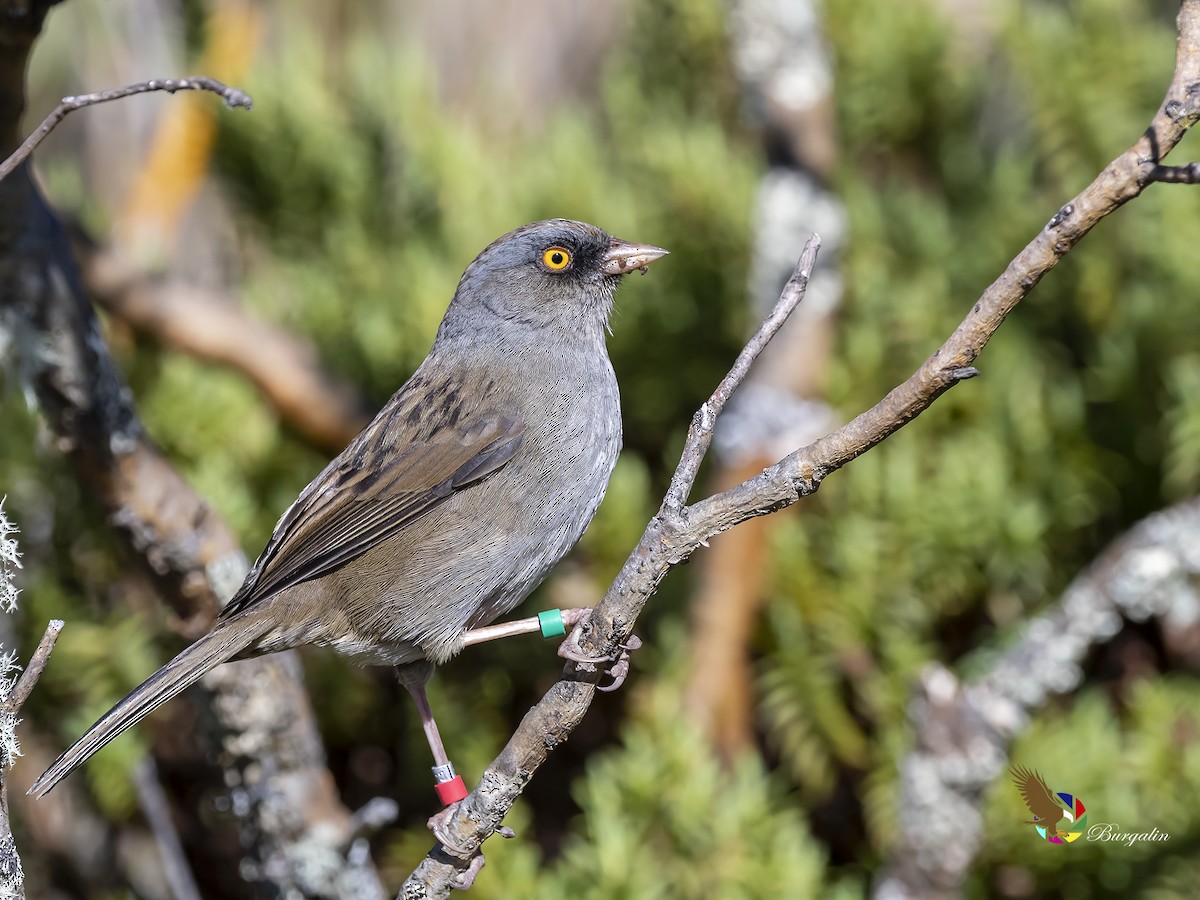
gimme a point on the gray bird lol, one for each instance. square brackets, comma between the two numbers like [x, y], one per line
[454, 503]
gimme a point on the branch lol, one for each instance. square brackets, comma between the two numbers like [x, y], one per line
[674, 534]
[285, 369]
[700, 432]
[963, 731]
[157, 811]
[232, 96]
[12, 876]
[1185, 174]
[37, 663]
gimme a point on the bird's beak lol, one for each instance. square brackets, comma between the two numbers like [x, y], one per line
[623, 257]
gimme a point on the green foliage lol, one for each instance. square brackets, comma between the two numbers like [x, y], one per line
[665, 820]
[360, 193]
[1182, 420]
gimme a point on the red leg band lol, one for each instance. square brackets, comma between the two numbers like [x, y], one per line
[451, 791]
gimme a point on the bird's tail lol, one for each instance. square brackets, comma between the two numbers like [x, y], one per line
[219, 645]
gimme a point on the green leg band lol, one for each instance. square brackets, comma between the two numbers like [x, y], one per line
[552, 623]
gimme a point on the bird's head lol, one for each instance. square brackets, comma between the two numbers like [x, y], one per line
[556, 272]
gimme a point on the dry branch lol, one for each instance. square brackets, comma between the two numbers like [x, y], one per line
[700, 432]
[232, 96]
[37, 663]
[205, 324]
[678, 530]
[12, 877]
[1188, 173]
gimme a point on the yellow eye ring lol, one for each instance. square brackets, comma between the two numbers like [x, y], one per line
[556, 258]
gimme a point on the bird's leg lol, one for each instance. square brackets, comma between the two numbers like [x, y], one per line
[416, 690]
[544, 622]
[616, 667]
[449, 786]
[552, 624]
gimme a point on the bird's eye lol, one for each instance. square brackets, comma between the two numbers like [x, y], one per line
[556, 258]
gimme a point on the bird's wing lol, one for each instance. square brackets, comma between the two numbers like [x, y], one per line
[1036, 794]
[373, 489]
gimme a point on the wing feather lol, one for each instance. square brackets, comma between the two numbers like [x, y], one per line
[373, 489]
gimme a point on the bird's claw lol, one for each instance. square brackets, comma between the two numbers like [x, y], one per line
[438, 824]
[619, 670]
[463, 880]
[616, 667]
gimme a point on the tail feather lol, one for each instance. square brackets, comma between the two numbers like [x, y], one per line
[216, 647]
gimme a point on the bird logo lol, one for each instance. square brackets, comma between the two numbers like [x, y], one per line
[1058, 818]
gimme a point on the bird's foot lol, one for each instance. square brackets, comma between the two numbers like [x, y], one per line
[439, 825]
[616, 667]
[619, 670]
[463, 880]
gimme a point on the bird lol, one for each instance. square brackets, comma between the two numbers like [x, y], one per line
[1047, 810]
[477, 476]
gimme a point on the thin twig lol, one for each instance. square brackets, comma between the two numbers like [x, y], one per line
[158, 815]
[12, 878]
[33, 671]
[700, 432]
[232, 96]
[1189, 173]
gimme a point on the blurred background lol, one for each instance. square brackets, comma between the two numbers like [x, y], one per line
[756, 750]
